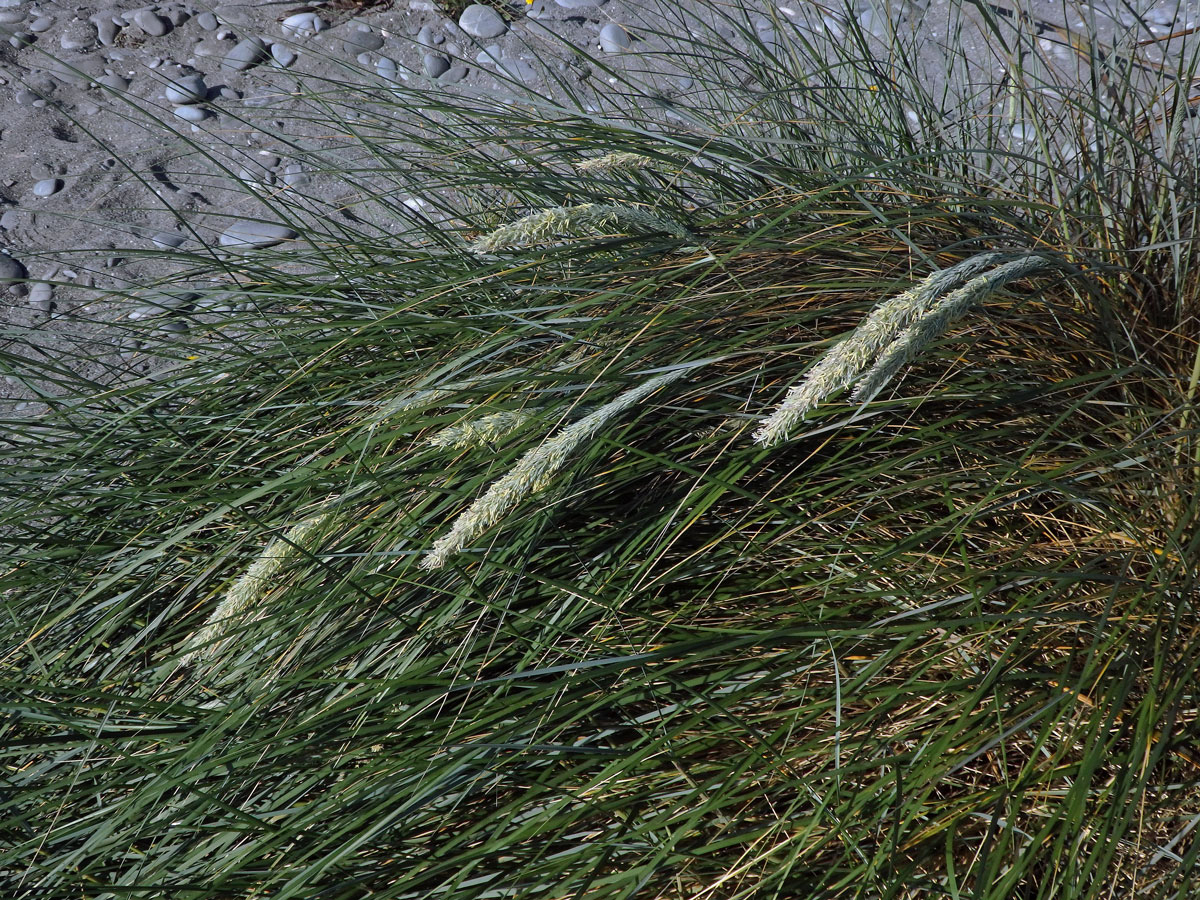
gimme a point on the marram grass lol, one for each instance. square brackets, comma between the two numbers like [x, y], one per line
[536, 470]
[946, 649]
[248, 593]
[891, 336]
[573, 221]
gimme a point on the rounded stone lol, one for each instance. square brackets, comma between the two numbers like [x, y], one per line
[41, 24]
[245, 54]
[282, 55]
[482, 22]
[362, 40]
[614, 38]
[454, 75]
[191, 113]
[187, 89]
[435, 65]
[252, 235]
[167, 240]
[11, 270]
[41, 297]
[303, 24]
[113, 82]
[207, 21]
[578, 4]
[152, 23]
[78, 35]
[47, 187]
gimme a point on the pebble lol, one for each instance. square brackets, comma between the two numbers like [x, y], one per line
[303, 24]
[187, 89]
[282, 55]
[578, 4]
[41, 297]
[78, 35]
[106, 29]
[10, 219]
[161, 302]
[426, 37]
[168, 240]
[295, 176]
[113, 82]
[176, 15]
[22, 39]
[614, 38]
[251, 235]
[362, 39]
[489, 55]
[174, 326]
[246, 53]
[41, 24]
[47, 187]
[435, 65]
[11, 16]
[152, 23]
[11, 270]
[482, 21]
[207, 21]
[385, 67]
[191, 113]
[454, 74]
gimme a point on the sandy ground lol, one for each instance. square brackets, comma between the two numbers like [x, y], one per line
[105, 190]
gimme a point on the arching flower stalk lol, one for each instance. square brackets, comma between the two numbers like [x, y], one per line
[892, 335]
[535, 471]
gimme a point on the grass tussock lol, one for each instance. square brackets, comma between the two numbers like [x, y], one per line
[460, 566]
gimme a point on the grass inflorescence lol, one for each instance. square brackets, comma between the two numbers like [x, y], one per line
[468, 556]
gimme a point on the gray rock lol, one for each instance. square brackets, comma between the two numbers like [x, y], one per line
[362, 40]
[10, 219]
[168, 240]
[295, 176]
[47, 187]
[160, 302]
[176, 15]
[192, 113]
[385, 67]
[152, 23]
[482, 21]
[113, 82]
[614, 38]
[489, 55]
[207, 21]
[78, 35]
[41, 297]
[435, 65]
[454, 75]
[11, 16]
[41, 24]
[578, 4]
[106, 29]
[303, 25]
[11, 270]
[22, 39]
[426, 37]
[245, 54]
[284, 56]
[173, 326]
[187, 89]
[251, 235]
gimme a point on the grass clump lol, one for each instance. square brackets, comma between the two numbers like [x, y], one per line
[275, 628]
